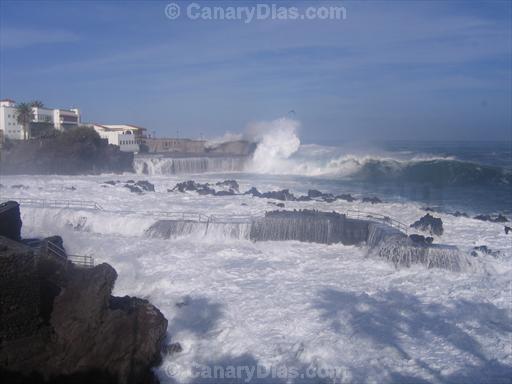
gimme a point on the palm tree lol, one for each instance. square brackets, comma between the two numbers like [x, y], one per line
[37, 104]
[24, 116]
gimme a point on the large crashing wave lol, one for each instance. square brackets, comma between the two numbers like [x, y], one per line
[279, 152]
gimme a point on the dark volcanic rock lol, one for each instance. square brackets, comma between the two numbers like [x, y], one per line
[189, 185]
[484, 250]
[313, 193]
[145, 185]
[63, 325]
[133, 188]
[283, 195]
[460, 214]
[304, 198]
[429, 223]
[348, 197]
[496, 219]
[507, 230]
[421, 240]
[253, 191]
[110, 182]
[231, 184]
[10, 220]
[373, 200]
[224, 193]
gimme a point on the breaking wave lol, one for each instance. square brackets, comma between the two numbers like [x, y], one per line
[279, 152]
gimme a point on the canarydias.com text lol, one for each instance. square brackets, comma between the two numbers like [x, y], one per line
[248, 373]
[247, 14]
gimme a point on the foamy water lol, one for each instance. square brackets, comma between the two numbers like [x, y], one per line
[230, 301]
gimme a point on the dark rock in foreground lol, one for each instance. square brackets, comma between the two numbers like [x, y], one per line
[59, 323]
[10, 220]
[429, 223]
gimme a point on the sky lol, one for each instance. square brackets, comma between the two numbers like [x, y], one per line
[411, 70]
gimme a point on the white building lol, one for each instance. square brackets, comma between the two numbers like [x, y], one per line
[60, 119]
[126, 136]
[8, 122]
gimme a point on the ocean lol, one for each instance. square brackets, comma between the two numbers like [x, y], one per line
[305, 307]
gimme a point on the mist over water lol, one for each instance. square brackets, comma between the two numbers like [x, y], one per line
[476, 177]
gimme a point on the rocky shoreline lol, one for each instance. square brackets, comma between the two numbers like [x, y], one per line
[59, 322]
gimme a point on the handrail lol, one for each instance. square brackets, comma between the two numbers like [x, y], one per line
[193, 216]
[50, 248]
[57, 203]
[377, 216]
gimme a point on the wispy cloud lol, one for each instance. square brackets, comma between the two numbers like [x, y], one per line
[18, 38]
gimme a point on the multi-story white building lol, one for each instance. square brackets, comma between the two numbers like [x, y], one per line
[60, 119]
[127, 137]
[8, 121]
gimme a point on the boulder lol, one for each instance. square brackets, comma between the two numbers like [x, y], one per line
[421, 240]
[429, 223]
[373, 200]
[133, 188]
[483, 249]
[347, 197]
[66, 326]
[496, 219]
[10, 220]
[313, 193]
[284, 195]
[145, 185]
[224, 193]
[253, 192]
[231, 184]
[189, 185]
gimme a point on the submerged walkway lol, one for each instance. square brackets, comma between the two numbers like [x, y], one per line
[192, 216]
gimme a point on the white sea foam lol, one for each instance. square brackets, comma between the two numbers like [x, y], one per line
[289, 303]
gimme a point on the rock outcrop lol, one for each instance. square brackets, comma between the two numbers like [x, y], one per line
[59, 323]
[430, 224]
[10, 221]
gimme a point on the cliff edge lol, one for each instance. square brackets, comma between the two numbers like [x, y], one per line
[59, 323]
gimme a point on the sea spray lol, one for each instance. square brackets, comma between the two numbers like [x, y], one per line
[277, 141]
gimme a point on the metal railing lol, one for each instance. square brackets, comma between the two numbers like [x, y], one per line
[49, 248]
[82, 261]
[195, 216]
[362, 215]
[57, 203]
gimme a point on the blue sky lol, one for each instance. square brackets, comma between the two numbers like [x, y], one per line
[391, 70]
